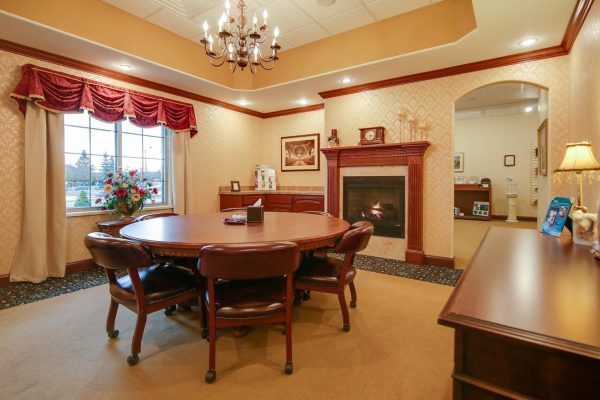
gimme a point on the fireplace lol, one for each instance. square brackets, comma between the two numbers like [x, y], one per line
[378, 199]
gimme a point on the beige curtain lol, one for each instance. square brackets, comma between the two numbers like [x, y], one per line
[42, 248]
[181, 173]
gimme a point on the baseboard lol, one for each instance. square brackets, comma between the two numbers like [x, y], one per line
[439, 261]
[520, 218]
[71, 267]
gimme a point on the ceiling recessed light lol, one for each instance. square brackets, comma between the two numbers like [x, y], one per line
[125, 67]
[528, 109]
[243, 102]
[527, 42]
[303, 102]
[346, 80]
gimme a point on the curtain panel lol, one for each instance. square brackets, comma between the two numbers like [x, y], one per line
[61, 92]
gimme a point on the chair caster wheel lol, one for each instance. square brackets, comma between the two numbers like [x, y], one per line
[133, 360]
[169, 310]
[306, 296]
[352, 304]
[346, 328]
[204, 333]
[289, 368]
[210, 376]
[113, 334]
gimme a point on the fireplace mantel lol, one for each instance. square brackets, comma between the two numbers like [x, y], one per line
[410, 154]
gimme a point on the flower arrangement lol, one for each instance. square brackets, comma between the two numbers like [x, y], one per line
[125, 192]
[333, 139]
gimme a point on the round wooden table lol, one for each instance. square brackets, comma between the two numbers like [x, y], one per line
[185, 235]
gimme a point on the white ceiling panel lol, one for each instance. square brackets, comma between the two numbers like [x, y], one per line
[138, 8]
[171, 21]
[382, 9]
[305, 35]
[318, 12]
[349, 20]
[287, 16]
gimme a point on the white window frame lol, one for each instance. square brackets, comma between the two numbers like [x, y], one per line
[167, 165]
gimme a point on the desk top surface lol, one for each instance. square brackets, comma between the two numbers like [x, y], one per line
[533, 287]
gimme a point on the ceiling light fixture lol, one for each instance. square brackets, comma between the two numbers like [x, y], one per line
[125, 67]
[243, 102]
[527, 42]
[239, 45]
[346, 80]
[528, 109]
[303, 102]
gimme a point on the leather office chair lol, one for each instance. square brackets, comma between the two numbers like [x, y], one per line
[146, 288]
[330, 274]
[248, 284]
[146, 217]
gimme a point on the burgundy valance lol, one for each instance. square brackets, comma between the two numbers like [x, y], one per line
[61, 92]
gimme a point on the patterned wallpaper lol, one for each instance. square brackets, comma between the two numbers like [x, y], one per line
[229, 144]
[585, 96]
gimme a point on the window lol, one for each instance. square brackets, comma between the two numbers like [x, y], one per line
[94, 148]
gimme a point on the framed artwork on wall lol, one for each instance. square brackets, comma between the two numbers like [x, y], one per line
[235, 186]
[542, 136]
[459, 162]
[509, 160]
[300, 153]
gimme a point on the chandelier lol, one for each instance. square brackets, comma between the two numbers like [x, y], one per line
[238, 45]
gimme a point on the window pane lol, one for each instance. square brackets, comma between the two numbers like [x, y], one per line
[78, 119]
[132, 145]
[77, 140]
[97, 124]
[153, 147]
[103, 142]
[127, 126]
[132, 163]
[77, 167]
[155, 131]
[153, 170]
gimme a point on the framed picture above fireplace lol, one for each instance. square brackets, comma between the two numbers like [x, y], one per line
[300, 153]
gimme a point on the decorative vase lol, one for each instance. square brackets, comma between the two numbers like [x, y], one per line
[125, 212]
[333, 143]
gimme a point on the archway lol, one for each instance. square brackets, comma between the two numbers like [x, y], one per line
[497, 159]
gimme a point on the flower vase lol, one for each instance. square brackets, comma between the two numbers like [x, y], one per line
[125, 212]
[334, 143]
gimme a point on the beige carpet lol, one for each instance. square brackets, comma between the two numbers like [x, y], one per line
[468, 234]
[57, 349]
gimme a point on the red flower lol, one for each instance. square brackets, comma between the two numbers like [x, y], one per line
[155, 191]
[108, 181]
[103, 208]
[120, 192]
[132, 172]
[98, 200]
[141, 192]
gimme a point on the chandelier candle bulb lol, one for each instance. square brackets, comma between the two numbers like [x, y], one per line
[205, 27]
[265, 16]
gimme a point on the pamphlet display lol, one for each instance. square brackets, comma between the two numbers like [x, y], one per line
[556, 216]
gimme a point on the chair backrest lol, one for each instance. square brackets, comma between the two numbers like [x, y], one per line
[323, 213]
[152, 216]
[249, 261]
[114, 253]
[356, 238]
[234, 209]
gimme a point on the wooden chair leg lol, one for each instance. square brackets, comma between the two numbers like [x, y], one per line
[344, 307]
[203, 321]
[110, 319]
[289, 366]
[211, 374]
[352, 294]
[136, 342]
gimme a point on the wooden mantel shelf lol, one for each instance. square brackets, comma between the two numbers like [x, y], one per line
[410, 154]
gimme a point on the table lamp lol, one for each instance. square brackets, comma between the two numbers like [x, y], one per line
[579, 161]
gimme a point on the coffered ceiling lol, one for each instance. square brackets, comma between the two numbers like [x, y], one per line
[498, 26]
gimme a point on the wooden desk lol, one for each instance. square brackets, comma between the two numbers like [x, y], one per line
[185, 235]
[527, 319]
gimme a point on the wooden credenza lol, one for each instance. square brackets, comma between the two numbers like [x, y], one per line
[290, 202]
[526, 315]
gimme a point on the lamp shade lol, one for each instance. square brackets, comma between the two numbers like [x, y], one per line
[578, 157]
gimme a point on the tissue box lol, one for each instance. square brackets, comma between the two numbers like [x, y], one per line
[255, 213]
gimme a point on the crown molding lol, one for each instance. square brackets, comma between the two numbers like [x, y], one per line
[580, 13]
[291, 111]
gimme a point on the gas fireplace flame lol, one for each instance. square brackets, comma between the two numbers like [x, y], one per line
[375, 212]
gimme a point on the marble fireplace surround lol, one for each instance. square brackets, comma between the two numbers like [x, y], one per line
[410, 154]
